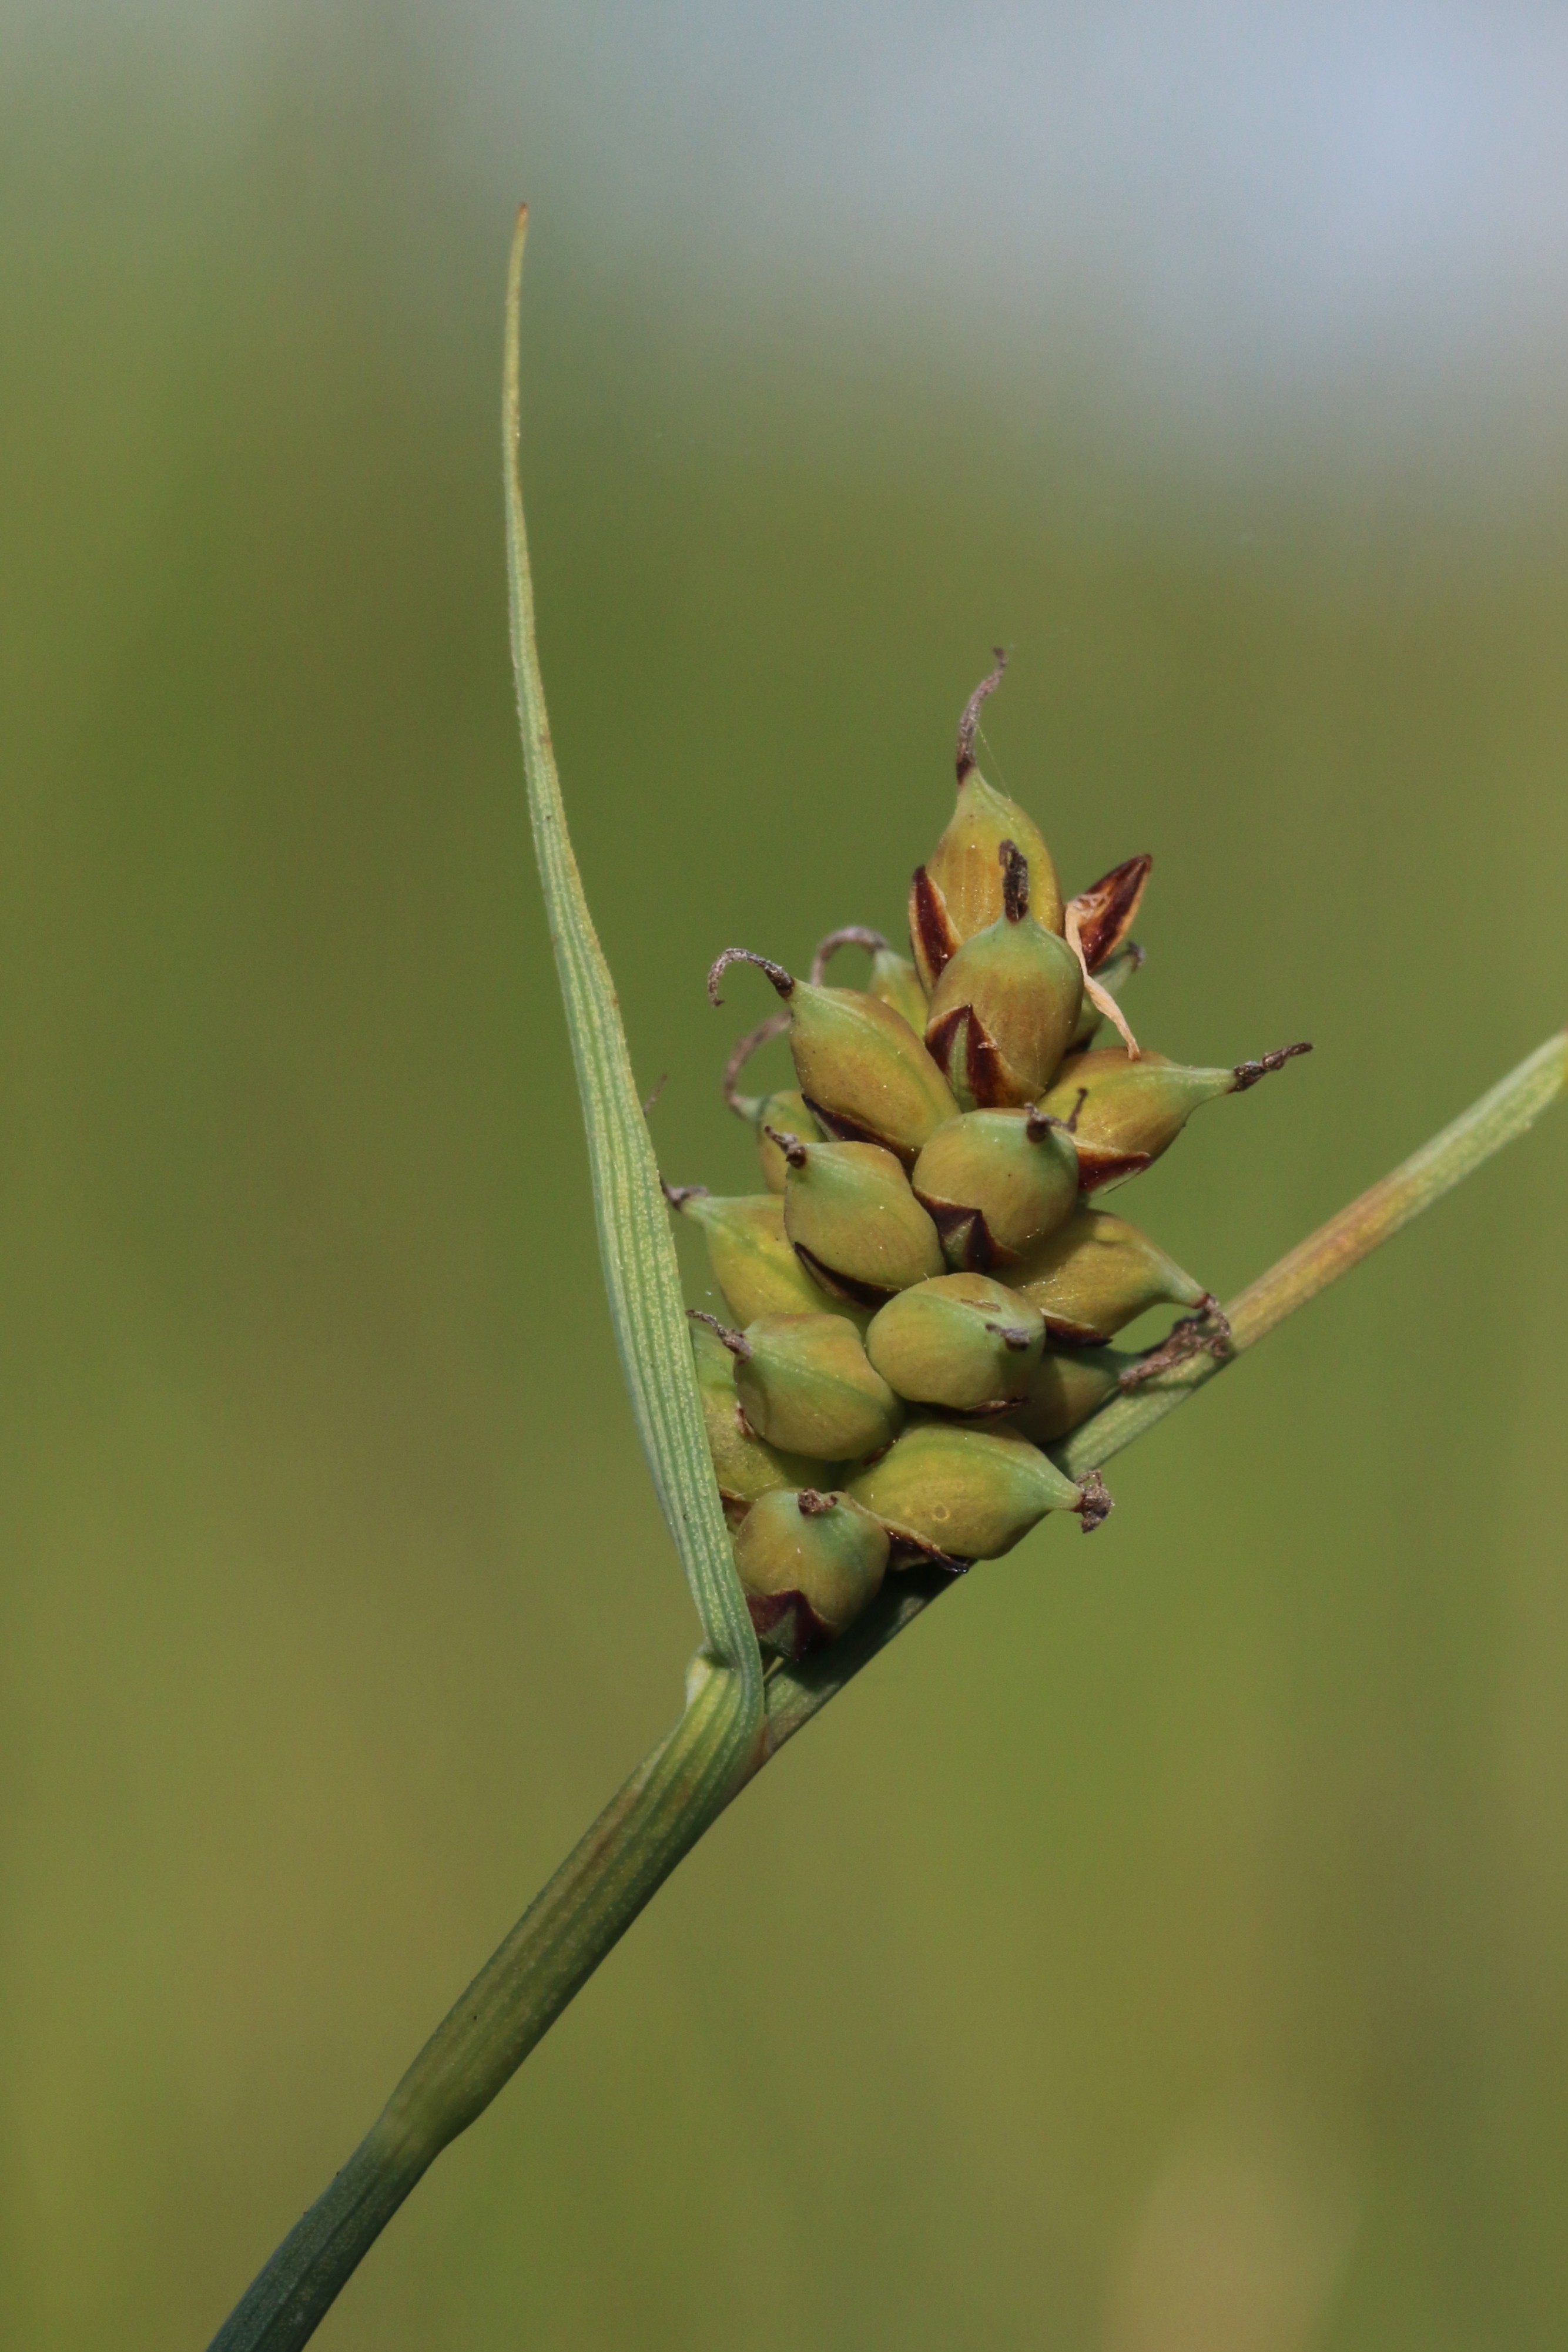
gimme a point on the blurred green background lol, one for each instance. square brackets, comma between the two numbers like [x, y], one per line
[1164, 1948]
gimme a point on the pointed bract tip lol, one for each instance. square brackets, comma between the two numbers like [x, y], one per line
[791, 1147]
[781, 980]
[735, 1340]
[853, 935]
[678, 1196]
[1039, 1123]
[1249, 1073]
[969, 723]
[1100, 998]
[1106, 911]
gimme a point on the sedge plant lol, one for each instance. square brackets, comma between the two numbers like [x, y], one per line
[920, 1365]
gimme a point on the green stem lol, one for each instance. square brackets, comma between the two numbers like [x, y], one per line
[682, 1788]
[580, 1915]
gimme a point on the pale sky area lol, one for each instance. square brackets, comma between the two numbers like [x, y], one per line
[1242, 212]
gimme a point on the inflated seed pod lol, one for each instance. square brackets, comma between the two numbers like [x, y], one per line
[786, 1107]
[865, 1073]
[805, 1383]
[1066, 1387]
[965, 1492]
[958, 890]
[892, 980]
[1095, 1272]
[961, 1341]
[996, 1182]
[1003, 1012]
[1125, 1112]
[1112, 977]
[809, 1563]
[856, 1226]
[744, 1465]
[754, 1263]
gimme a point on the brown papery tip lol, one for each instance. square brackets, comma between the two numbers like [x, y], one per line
[1100, 998]
[930, 934]
[853, 935]
[814, 1506]
[969, 723]
[794, 1149]
[1206, 1333]
[1094, 1503]
[678, 1196]
[1015, 881]
[736, 1341]
[1219, 1323]
[1249, 1073]
[1039, 1123]
[1106, 911]
[781, 979]
[773, 1026]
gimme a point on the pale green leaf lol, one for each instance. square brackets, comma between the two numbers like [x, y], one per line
[635, 1243]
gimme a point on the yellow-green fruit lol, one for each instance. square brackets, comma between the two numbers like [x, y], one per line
[809, 1564]
[958, 891]
[968, 1494]
[961, 1341]
[1127, 1111]
[864, 1071]
[1065, 1388]
[1095, 1272]
[996, 1182]
[1113, 977]
[805, 1383]
[1003, 1014]
[854, 1222]
[785, 1107]
[754, 1263]
[894, 982]
[744, 1466]
[892, 979]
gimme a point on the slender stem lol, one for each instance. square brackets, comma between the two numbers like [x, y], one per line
[683, 1786]
[657, 1817]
